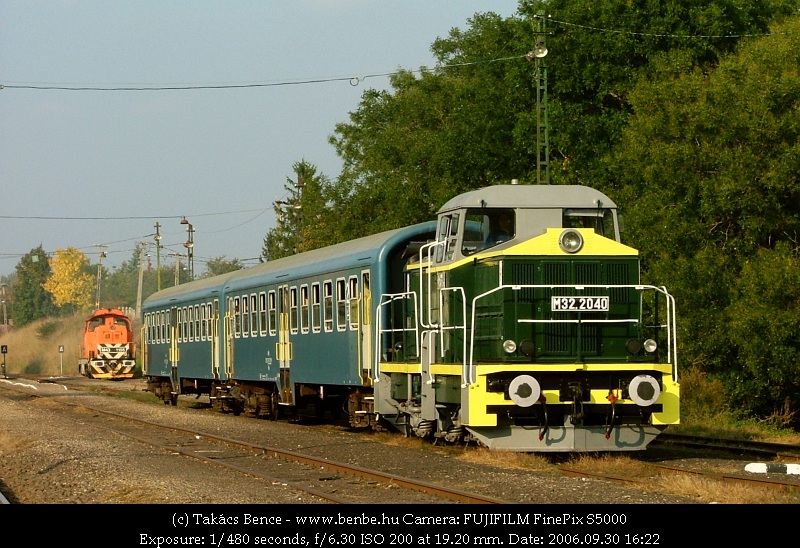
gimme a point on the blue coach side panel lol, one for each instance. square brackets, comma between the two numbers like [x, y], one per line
[332, 348]
[161, 309]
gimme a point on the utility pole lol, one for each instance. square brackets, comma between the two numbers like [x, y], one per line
[157, 238]
[177, 268]
[542, 132]
[141, 282]
[5, 313]
[100, 257]
[189, 245]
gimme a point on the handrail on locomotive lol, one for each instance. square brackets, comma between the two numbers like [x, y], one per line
[469, 369]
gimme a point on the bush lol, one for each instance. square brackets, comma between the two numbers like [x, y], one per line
[47, 329]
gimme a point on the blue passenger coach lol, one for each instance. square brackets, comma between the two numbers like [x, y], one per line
[281, 335]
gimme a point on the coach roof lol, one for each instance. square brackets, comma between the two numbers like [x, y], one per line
[362, 251]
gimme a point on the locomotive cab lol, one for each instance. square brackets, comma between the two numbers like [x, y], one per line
[470, 225]
[533, 330]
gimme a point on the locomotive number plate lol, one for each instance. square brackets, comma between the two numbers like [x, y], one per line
[589, 304]
[110, 349]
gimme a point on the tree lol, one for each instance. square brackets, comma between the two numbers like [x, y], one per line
[709, 169]
[599, 51]
[69, 282]
[220, 265]
[120, 287]
[305, 220]
[453, 128]
[31, 301]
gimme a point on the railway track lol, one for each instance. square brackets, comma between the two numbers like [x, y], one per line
[707, 459]
[781, 484]
[748, 447]
[328, 480]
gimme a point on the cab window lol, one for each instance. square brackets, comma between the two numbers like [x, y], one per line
[599, 220]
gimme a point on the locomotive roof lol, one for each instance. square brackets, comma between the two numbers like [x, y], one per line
[530, 197]
[106, 312]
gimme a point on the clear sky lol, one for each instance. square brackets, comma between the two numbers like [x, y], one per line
[84, 168]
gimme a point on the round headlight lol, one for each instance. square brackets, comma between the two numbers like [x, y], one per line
[509, 346]
[570, 241]
[650, 346]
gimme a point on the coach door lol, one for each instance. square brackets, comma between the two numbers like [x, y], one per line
[287, 307]
[365, 328]
[214, 337]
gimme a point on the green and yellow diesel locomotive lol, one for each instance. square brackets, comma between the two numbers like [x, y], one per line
[517, 321]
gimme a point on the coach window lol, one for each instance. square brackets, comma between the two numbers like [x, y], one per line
[190, 324]
[353, 312]
[213, 319]
[273, 313]
[366, 296]
[327, 311]
[293, 309]
[237, 317]
[341, 304]
[185, 324]
[197, 319]
[315, 308]
[304, 308]
[262, 313]
[253, 315]
[245, 317]
[181, 321]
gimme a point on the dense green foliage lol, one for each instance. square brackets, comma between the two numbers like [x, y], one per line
[28, 301]
[708, 170]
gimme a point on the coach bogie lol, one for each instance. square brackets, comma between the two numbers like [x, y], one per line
[361, 410]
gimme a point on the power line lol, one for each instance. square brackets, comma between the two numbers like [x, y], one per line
[119, 218]
[353, 80]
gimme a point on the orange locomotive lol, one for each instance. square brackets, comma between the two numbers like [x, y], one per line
[108, 350]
